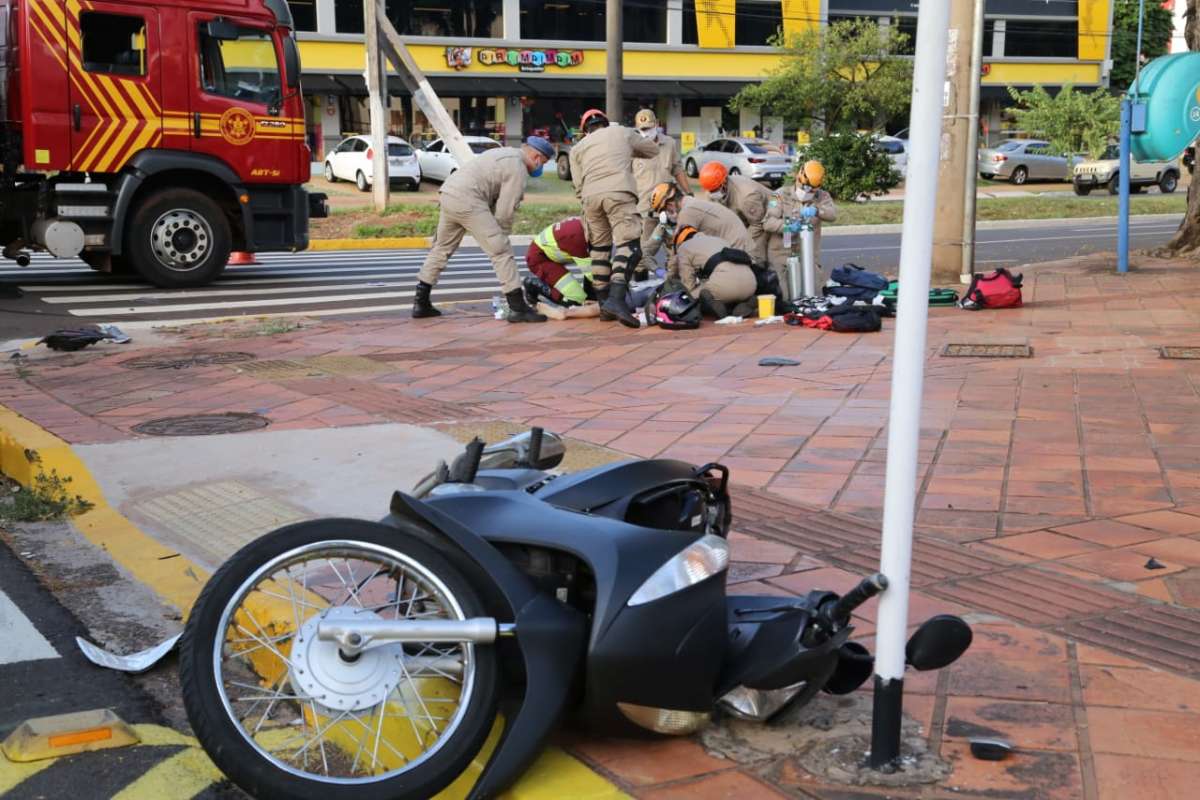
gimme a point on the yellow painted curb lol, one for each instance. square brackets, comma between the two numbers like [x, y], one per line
[178, 581]
[394, 243]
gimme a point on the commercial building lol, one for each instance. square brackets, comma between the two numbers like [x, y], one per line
[511, 67]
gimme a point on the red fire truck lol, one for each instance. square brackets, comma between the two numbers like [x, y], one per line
[152, 137]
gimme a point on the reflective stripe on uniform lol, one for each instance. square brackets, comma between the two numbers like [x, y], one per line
[571, 289]
[549, 245]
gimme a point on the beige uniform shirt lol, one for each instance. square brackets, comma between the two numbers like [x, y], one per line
[603, 162]
[716, 220]
[749, 199]
[729, 282]
[649, 172]
[494, 179]
[785, 205]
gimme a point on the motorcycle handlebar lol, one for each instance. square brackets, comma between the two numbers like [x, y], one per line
[838, 611]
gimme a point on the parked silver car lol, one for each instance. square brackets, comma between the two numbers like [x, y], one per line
[1021, 160]
[757, 158]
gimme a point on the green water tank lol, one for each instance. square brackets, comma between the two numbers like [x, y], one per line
[1169, 86]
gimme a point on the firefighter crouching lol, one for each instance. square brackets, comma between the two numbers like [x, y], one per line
[719, 275]
[558, 247]
[712, 219]
[788, 208]
[743, 196]
[602, 171]
[481, 198]
[649, 172]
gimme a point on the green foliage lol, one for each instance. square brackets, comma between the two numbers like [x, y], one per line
[854, 166]
[49, 498]
[844, 75]
[1156, 38]
[1072, 121]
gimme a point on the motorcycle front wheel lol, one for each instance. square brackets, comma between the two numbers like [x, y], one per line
[286, 715]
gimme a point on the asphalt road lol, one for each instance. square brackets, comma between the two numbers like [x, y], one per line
[58, 294]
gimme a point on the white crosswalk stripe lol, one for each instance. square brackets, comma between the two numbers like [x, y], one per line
[19, 638]
[280, 285]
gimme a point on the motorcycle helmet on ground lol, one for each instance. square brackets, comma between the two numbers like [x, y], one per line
[674, 311]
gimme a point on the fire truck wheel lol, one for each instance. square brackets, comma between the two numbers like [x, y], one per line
[178, 238]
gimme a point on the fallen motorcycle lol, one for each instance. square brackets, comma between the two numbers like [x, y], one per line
[341, 658]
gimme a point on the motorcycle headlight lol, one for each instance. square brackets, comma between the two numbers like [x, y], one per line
[699, 561]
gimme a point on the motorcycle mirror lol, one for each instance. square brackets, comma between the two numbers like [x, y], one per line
[515, 449]
[938, 642]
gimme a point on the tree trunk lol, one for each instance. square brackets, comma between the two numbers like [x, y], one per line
[1187, 239]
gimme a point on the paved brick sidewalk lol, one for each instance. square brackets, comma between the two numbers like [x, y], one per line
[1048, 484]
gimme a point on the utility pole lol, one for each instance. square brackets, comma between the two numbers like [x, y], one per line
[956, 122]
[971, 168]
[908, 377]
[1128, 103]
[614, 100]
[377, 93]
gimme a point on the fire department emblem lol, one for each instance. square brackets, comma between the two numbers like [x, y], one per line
[237, 126]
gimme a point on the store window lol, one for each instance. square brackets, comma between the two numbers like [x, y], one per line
[755, 22]
[447, 18]
[348, 16]
[907, 26]
[304, 14]
[574, 21]
[1026, 38]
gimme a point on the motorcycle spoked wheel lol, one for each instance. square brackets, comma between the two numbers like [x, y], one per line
[285, 716]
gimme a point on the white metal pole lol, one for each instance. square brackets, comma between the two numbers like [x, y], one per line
[908, 365]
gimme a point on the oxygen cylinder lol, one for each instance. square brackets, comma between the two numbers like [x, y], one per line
[808, 261]
[795, 278]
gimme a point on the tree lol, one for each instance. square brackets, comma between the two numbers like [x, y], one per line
[848, 73]
[1072, 121]
[1156, 38]
[854, 165]
[1187, 238]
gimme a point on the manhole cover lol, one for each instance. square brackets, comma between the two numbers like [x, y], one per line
[281, 370]
[1179, 352]
[186, 360]
[202, 424]
[987, 351]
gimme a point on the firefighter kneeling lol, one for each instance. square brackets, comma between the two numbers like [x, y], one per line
[558, 246]
[721, 276]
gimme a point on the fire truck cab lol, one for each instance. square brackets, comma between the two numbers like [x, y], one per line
[152, 137]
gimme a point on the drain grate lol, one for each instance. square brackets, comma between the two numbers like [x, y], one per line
[1170, 351]
[202, 424]
[987, 351]
[186, 360]
[281, 370]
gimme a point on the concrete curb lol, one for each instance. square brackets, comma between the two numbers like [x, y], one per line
[523, 240]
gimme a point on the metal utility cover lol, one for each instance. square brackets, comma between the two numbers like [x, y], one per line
[987, 351]
[1170, 351]
[185, 360]
[348, 365]
[280, 370]
[202, 424]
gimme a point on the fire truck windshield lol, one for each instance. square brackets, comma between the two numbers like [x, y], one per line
[245, 68]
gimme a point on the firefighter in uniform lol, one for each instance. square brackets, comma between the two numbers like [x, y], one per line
[602, 171]
[481, 198]
[712, 271]
[556, 248]
[705, 216]
[650, 172]
[805, 201]
[744, 196]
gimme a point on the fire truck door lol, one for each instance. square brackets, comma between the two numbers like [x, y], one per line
[116, 84]
[239, 99]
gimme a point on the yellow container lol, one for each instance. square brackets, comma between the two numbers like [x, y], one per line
[766, 306]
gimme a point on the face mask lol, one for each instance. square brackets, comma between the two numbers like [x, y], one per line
[648, 133]
[804, 193]
[537, 173]
[717, 196]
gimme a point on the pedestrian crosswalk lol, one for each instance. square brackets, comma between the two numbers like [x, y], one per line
[21, 639]
[280, 285]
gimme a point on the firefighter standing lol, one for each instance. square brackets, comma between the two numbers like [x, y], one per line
[602, 171]
[557, 247]
[744, 196]
[649, 172]
[481, 198]
[805, 201]
[706, 267]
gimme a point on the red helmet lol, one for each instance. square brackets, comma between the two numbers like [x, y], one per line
[590, 116]
[712, 176]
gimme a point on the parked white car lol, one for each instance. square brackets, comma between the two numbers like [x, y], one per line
[1104, 172]
[897, 150]
[757, 158]
[438, 163]
[353, 160]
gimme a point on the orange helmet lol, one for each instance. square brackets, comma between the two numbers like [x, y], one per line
[662, 194]
[592, 115]
[812, 174]
[712, 176]
[684, 233]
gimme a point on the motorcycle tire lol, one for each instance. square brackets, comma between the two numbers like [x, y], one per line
[206, 645]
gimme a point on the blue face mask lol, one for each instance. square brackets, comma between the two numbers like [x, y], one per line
[537, 173]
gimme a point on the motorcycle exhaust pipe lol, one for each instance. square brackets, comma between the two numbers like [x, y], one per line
[354, 636]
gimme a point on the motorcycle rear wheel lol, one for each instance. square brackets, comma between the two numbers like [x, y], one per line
[285, 716]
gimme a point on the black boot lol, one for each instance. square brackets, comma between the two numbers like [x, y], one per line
[711, 305]
[601, 293]
[518, 311]
[421, 306]
[616, 306]
[535, 288]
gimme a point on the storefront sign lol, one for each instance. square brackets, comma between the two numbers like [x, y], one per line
[803, 137]
[687, 140]
[525, 60]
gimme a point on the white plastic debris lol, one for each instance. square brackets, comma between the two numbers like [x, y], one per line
[134, 662]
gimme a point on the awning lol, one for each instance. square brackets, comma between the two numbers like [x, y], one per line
[525, 86]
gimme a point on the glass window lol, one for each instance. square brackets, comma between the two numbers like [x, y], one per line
[757, 22]
[398, 149]
[891, 147]
[1011, 146]
[758, 148]
[1033, 39]
[435, 147]
[113, 43]
[304, 14]
[245, 68]
[563, 20]
[348, 16]
[716, 147]
[989, 32]
[907, 26]
[458, 18]
[360, 145]
[345, 147]
[1111, 152]
[644, 21]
